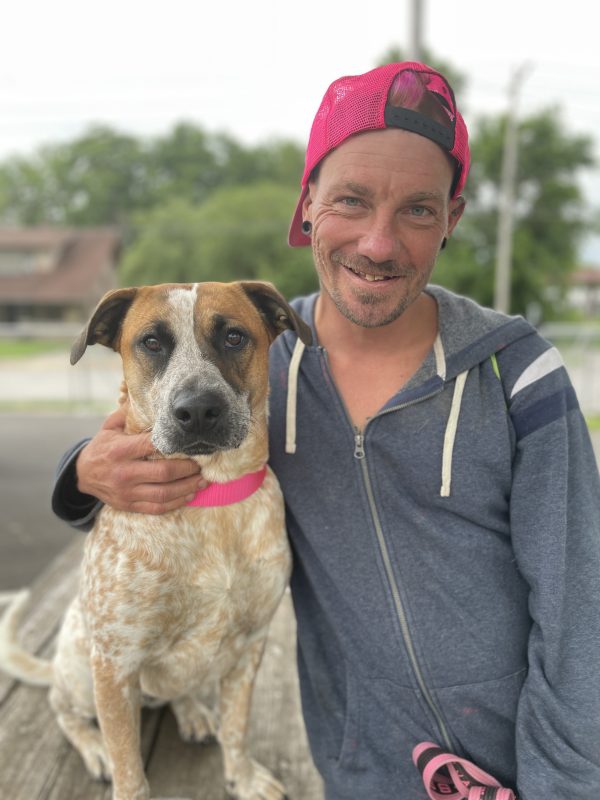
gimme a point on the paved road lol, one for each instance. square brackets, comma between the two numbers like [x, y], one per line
[30, 446]
[30, 535]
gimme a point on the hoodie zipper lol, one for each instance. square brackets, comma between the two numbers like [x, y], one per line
[360, 454]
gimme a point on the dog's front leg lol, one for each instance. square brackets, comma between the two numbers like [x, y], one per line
[118, 703]
[245, 779]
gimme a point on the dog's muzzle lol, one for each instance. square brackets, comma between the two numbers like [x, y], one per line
[198, 415]
[199, 422]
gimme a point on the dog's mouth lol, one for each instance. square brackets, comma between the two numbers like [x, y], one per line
[188, 448]
[199, 449]
[170, 445]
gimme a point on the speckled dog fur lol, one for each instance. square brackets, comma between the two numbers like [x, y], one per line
[168, 603]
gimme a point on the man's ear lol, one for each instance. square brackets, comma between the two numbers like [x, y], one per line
[307, 202]
[455, 212]
[276, 312]
[104, 325]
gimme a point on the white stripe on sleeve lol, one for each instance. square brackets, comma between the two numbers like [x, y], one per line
[542, 366]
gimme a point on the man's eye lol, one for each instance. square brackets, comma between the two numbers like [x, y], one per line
[152, 344]
[235, 339]
[351, 201]
[419, 211]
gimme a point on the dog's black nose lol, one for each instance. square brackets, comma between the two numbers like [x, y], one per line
[198, 413]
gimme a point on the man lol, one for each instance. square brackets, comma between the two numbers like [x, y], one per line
[442, 493]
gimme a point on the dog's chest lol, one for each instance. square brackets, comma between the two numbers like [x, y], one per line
[184, 597]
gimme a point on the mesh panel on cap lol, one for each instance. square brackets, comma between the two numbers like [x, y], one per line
[351, 104]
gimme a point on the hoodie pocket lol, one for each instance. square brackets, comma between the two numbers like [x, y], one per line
[349, 753]
[383, 722]
[482, 718]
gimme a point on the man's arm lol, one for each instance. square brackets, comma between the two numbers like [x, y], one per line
[555, 526]
[115, 468]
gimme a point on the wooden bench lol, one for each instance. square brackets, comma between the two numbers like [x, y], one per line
[37, 763]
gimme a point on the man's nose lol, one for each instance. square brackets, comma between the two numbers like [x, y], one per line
[379, 240]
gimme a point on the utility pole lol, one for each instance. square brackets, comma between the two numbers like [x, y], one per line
[415, 48]
[507, 194]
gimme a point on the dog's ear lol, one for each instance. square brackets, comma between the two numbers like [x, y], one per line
[104, 325]
[277, 313]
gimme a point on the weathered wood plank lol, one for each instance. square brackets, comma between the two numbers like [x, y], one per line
[50, 595]
[37, 763]
[276, 735]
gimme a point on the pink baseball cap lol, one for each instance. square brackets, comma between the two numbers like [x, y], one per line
[359, 103]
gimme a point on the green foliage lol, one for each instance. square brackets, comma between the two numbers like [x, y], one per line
[240, 232]
[197, 205]
[94, 180]
[104, 177]
[549, 215]
[23, 348]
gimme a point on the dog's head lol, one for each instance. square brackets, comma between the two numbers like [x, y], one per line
[195, 357]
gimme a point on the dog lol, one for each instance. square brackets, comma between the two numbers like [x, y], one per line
[170, 603]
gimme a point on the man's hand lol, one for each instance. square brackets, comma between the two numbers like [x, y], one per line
[113, 467]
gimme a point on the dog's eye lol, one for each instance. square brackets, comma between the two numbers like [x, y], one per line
[235, 339]
[152, 344]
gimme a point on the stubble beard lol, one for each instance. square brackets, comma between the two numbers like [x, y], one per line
[367, 312]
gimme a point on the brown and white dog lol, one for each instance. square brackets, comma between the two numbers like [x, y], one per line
[168, 603]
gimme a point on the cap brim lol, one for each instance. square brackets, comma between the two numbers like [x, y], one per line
[296, 237]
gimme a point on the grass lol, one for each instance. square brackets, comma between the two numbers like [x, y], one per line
[95, 407]
[24, 348]
[593, 423]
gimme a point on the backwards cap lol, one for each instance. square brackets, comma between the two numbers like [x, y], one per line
[359, 103]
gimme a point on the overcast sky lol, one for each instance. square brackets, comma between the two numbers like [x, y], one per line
[259, 69]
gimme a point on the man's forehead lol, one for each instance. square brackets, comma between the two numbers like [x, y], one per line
[362, 161]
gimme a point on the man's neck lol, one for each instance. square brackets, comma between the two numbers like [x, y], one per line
[370, 365]
[415, 329]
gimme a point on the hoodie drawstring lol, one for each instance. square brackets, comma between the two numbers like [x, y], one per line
[451, 427]
[292, 397]
[450, 434]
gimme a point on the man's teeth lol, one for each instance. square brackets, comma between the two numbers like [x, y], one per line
[369, 277]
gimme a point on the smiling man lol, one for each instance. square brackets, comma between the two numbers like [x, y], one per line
[442, 493]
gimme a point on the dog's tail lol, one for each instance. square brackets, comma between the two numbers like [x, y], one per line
[14, 660]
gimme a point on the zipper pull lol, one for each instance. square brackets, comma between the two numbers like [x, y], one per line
[359, 449]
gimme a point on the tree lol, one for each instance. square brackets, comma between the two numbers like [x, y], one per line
[550, 215]
[237, 233]
[104, 176]
[95, 180]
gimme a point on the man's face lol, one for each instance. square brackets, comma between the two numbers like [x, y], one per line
[380, 209]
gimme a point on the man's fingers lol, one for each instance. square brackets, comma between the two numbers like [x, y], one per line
[154, 498]
[168, 471]
[115, 421]
[116, 468]
[126, 446]
[163, 494]
[163, 473]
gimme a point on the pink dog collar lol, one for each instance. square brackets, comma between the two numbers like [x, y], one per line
[224, 494]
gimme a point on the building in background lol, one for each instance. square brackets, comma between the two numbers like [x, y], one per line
[584, 293]
[55, 275]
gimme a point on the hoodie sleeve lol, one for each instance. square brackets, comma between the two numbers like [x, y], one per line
[555, 526]
[68, 503]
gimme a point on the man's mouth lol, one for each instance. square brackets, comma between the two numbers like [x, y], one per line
[371, 278]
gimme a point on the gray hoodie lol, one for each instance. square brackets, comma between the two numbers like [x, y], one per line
[447, 562]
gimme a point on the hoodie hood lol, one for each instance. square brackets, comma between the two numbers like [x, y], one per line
[480, 334]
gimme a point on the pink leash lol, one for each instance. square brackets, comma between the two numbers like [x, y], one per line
[448, 777]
